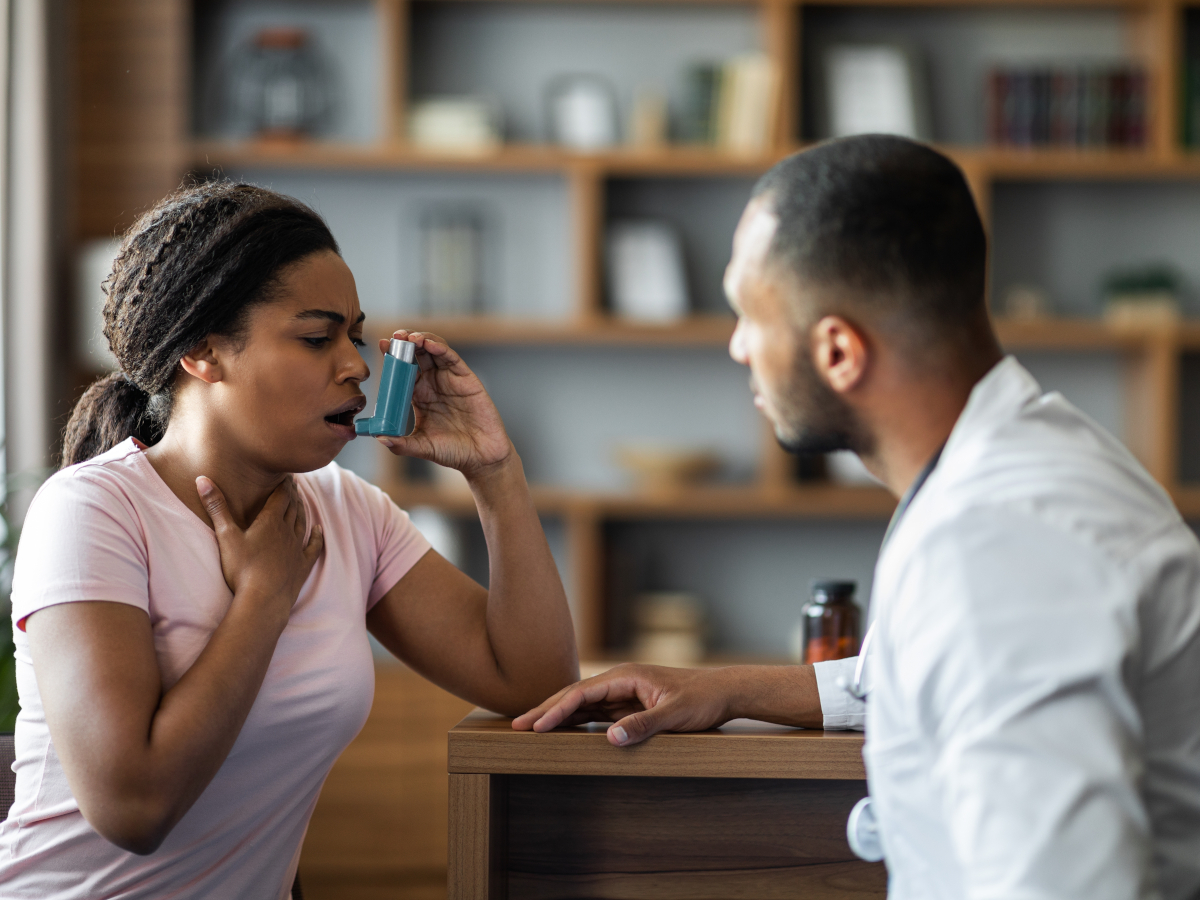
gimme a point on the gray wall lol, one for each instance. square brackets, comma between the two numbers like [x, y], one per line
[512, 51]
[375, 217]
[1064, 237]
[961, 44]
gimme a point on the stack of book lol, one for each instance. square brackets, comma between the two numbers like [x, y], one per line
[730, 105]
[1191, 103]
[1091, 106]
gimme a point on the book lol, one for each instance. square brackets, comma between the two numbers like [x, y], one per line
[698, 118]
[1088, 106]
[746, 105]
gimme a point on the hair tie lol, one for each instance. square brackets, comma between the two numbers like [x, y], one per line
[133, 384]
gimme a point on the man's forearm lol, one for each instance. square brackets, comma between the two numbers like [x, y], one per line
[786, 695]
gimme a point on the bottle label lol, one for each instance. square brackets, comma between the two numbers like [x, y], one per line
[823, 649]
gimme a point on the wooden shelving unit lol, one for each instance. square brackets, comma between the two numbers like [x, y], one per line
[134, 143]
[133, 84]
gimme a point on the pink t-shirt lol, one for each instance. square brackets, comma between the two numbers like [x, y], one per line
[111, 529]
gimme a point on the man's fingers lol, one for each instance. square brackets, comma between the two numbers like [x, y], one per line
[554, 715]
[214, 502]
[525, 721]
[584, 695]
[534, 717]
[636, 728]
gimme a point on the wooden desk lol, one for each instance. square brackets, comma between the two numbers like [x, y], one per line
[750, 811]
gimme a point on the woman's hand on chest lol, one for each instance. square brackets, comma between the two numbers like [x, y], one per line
[268, 561]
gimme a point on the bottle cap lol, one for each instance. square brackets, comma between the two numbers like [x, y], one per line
[405, 351]
[824, 591]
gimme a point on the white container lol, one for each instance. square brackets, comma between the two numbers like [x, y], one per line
[645, 271]
[454, 125]
[583, 113]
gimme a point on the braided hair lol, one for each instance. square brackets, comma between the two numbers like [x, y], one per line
[191, 267]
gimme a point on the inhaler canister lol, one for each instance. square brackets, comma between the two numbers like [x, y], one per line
[394, 400]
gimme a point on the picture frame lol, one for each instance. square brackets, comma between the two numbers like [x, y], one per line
[872, 87]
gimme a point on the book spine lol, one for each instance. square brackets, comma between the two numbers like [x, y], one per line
[996, 99]
[1135, 123]
[1117, 90]
[1022, 125]
[1040, 129]
[1097, 99]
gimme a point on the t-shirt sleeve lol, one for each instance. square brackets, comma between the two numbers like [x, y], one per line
[81, 541]
[399, 545]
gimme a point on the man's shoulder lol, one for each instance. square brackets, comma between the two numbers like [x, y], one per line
[1048, 477]
[1053, 463]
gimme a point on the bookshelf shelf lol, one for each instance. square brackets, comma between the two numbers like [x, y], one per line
[991, 163]
[715, 330]
[509, 158]
[598, 330]
[826, 501]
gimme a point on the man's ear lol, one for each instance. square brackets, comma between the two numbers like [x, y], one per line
[203, 362]
[840, 353]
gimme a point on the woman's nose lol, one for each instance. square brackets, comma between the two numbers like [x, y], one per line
[354, 367]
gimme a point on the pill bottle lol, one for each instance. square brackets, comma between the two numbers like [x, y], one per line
[830, 622]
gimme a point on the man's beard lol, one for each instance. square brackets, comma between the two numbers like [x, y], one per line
[814, 419]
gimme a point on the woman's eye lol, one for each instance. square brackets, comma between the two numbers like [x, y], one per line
[358, 342]
[316, 342]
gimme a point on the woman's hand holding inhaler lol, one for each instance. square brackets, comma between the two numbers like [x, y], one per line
[456, 423]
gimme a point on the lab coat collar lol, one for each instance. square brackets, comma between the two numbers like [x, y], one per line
[997, 398]
[1000, 394]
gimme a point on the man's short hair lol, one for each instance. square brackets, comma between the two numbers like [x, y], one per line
[891, 220]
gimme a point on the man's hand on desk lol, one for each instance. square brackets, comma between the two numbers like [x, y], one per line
[644, 700]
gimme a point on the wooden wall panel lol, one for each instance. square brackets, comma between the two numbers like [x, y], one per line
[130, 90]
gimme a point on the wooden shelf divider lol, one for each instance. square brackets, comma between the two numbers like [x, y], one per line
[393, 36]
[586, 183]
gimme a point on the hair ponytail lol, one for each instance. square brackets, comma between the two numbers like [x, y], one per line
[190, 267]
[111, 410]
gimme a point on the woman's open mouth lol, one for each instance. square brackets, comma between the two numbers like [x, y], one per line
[342, 419]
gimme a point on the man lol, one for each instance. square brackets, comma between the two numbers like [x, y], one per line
[1033, 718]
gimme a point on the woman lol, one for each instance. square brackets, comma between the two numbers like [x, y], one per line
[194, 589]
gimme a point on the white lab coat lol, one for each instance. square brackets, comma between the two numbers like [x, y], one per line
[1033, 721]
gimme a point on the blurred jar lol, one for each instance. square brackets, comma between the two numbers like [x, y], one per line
[280, 84]
[670, 629]
[830, 622]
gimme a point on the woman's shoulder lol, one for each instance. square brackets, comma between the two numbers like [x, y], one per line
[348, 500]
[114, 476]
[338, 489]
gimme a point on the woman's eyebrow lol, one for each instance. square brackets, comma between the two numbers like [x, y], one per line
[328, 314]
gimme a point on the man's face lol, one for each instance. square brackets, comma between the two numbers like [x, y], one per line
[773, 338]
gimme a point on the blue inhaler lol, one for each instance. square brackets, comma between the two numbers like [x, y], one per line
[394, 400]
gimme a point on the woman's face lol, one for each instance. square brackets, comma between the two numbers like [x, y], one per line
[289, 393]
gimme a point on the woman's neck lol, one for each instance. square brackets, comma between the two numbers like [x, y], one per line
[190, 449]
